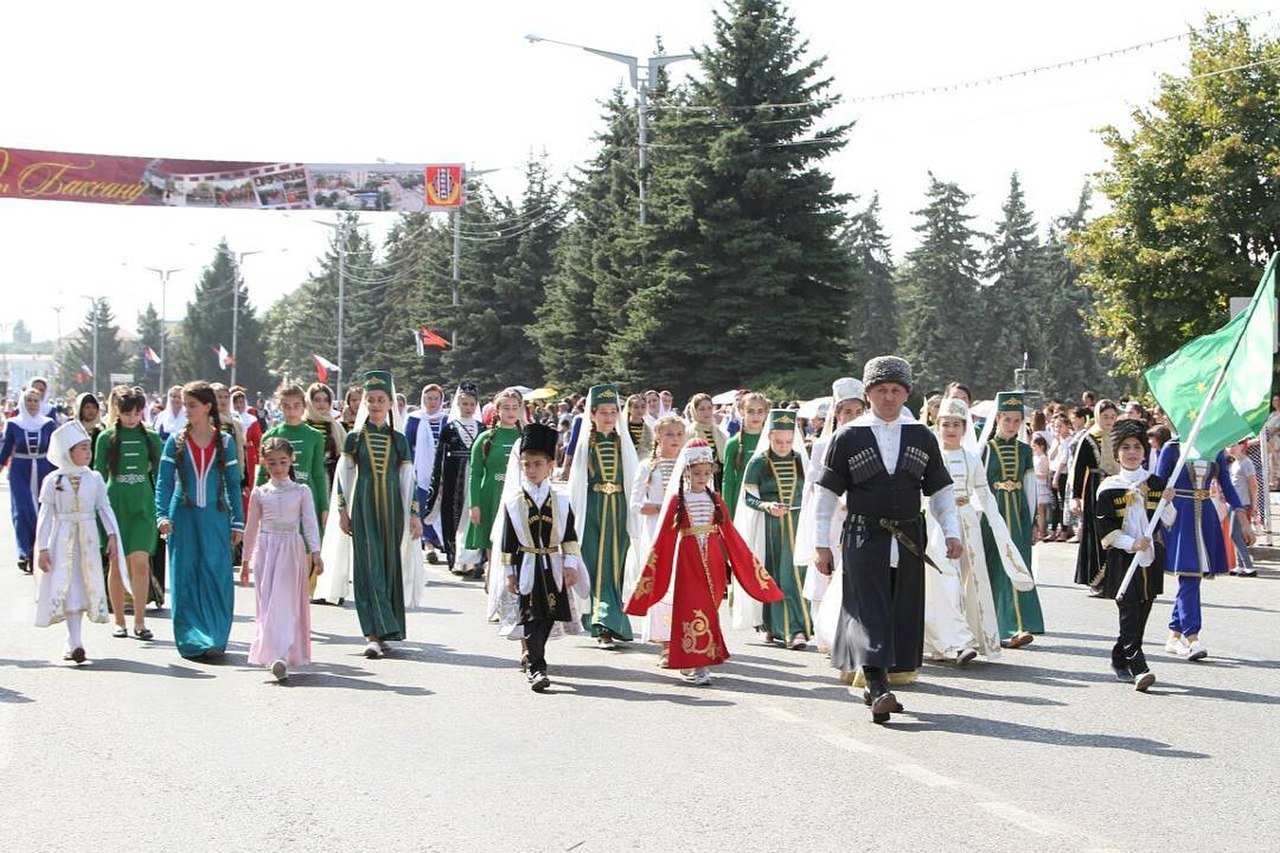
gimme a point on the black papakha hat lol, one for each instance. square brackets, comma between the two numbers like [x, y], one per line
[1128, 428]
[539, 438]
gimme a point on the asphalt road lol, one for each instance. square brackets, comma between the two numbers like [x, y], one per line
[443, 747]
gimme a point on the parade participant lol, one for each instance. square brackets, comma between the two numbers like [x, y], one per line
[741, 447]
[1093, 461]
[1195, 547]
[542, 568]
[638, 428]
[26, 443]
[883, 462]
[423, 445]
[1011, 474]
[603, 474]
[767, 517]
[252, 438]
[960, 612]
[450, 477]
[686, 568]
[234, 427]
[666, 403]
[73, 499]
[283, 559]
[351, 406]
[376, 511]
[700, 414]
[198, 508]
[174, 416]
[847, 403]
[647, 494]
[1124, 506]
[47, 406]
[488, 471]
[320, 417]
[88, 412]
[652, 407]
[127, 457]
[1244, 477]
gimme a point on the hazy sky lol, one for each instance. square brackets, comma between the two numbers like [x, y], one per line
[423, 82]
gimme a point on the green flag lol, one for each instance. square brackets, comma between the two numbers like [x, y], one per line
[1182, 382]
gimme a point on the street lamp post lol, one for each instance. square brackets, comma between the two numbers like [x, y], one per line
[93, 302]
[237, 281]
[164, 334]
[340, 230]
[652, 66]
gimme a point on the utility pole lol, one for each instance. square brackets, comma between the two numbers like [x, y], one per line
[341, 232]
[642, 85]
[237, 279]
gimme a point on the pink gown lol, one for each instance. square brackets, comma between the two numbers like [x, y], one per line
[279, 556]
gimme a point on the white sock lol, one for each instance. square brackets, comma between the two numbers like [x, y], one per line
[73, 630]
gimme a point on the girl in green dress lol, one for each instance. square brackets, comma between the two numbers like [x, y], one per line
[767, 516]
[601, 478]
[754, 408]
[127, 455]
[489, 454]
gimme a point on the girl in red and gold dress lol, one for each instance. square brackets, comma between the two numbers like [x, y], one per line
[695, 547]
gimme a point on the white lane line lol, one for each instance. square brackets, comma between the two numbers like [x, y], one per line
[924, 775]
[844, 741]
[780, 715]
[1025, 819]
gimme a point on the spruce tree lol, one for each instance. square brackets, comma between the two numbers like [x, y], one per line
[78, 351]
[1011, 317]
[597, 264]
[939, 288]
[873, 318]
[150, 332]
[744, 273]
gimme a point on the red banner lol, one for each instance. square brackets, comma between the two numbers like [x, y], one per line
[147, 181]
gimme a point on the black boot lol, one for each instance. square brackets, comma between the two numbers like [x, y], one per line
[883, 702]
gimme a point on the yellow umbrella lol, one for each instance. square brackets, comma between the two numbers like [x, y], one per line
[541, 394]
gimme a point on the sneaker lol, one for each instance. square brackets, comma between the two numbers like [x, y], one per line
[279, 670]
[76, 654]
[605, 641]
[1122, 674]
[1247, 573]
[1196, 651]
[1233, 571]
[373, 651]
[384, 647]
[1176, 646]
[965, 657]
[701, 677]
[687, 674]
[798, 643]
[1144, 681]
[539, 682]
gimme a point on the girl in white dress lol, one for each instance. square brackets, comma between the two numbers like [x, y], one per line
[646, 501]
[73, 499]
[960, 613]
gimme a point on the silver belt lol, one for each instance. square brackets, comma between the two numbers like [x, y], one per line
[28, 455]
[276, 529]
[130, 479]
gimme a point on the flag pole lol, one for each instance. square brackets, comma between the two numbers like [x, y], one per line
[1186, 444]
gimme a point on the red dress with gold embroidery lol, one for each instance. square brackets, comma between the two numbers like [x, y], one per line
[696, 557]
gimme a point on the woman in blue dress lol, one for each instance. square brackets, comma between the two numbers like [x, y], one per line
[198, 507]
[25, 449]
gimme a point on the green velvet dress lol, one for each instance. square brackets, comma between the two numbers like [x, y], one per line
[780, 479]
[1008, 461]
[605, 539]
[737, 453]
[377, 513]
[489, 454]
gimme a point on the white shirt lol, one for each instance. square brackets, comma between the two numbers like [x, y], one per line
[888, 436]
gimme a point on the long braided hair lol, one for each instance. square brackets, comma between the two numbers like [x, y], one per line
[203, 393]
[504, 394]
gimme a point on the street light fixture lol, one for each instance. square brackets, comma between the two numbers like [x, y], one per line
[164, 332]
[652, 66]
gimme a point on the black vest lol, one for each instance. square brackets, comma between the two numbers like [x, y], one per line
[854, 468]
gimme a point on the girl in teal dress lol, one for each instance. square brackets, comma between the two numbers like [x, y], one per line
[198, 508]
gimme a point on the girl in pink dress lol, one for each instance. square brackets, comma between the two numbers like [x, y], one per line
[283, 561]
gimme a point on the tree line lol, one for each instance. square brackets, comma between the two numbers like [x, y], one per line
[752, 270]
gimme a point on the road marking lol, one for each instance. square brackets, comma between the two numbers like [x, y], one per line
[1025, 819]
[844, 741]
[781, 715]
[924, 775]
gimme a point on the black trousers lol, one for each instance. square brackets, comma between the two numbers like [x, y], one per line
[1127, 652]
[536, 633]
[1058, 501]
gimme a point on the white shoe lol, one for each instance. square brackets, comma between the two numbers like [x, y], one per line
[1176, 646]
[384, 647]
[279, 670]
[373, 651]
[965, 657]
[701, 677]
[1197, 651]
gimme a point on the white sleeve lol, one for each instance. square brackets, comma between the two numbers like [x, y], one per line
[46, 519]
[825, 512]
[942, 505]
